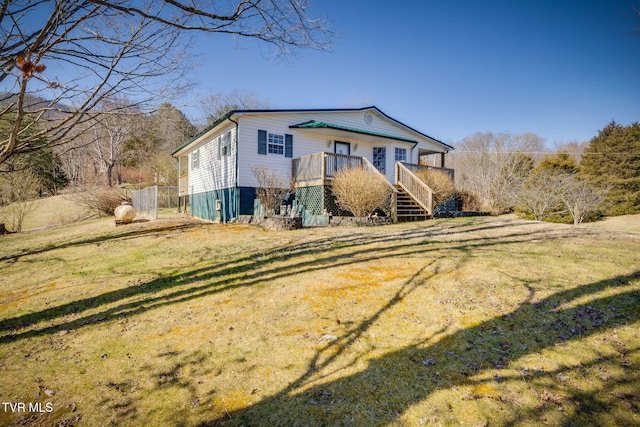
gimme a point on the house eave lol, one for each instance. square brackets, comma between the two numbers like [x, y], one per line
[238, 113]
[178, 151]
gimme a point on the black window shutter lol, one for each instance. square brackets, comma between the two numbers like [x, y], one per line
[288, 145]
[262, 142]
[219, 139]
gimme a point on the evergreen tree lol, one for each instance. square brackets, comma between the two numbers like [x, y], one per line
[612, 162]
[560, 162]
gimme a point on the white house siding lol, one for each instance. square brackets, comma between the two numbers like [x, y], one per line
[307, 142]
[214, 172]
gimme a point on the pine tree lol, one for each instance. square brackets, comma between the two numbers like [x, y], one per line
[612, 162]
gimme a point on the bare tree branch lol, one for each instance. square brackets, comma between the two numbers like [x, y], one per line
[59, 59]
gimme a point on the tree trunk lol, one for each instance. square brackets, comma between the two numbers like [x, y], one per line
[109, 175]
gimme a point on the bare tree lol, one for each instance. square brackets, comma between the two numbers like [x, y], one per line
[59, 59]
[580, 198]
[272, 188]
[110, 129]
[218, 104]
[541, 195]
[22, 190]
[493, 165]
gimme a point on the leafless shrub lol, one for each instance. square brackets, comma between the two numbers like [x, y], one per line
[360, 192]
[580, 198]
[441, 184]
[22, 190]
[272, 189]
[541, 194]
[103, 201]
[550, 193]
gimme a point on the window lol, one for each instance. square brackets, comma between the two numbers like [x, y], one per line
[380, 158]
[275, 144]
[195, 159]
[270, 143]
[225, 144]
[401, 154]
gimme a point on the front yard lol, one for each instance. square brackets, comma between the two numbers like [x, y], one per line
[467, 321]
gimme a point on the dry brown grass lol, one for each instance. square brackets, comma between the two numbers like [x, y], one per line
[470, 321]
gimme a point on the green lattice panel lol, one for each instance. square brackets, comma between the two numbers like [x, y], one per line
[311, 198]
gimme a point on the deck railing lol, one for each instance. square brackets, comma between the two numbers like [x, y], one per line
[413, 167]
[416, 188]
[321, 167]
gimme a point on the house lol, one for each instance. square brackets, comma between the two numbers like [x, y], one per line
[217, 182]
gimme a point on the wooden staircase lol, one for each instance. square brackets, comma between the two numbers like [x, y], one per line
[407, 209]
[414, 198]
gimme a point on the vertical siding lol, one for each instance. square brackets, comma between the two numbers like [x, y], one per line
[203, 205]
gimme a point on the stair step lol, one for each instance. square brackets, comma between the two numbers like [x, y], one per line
[407, 209]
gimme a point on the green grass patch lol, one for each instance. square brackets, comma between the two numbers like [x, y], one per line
[469, 321]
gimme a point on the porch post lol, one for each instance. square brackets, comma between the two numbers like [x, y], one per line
[442, 160]
[323, 169]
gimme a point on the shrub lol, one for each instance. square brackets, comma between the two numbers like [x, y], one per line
[541, 195]
[21, 188]
[361, 192]
[466, 201]
[102, 201]
[272, 189]
[440, 182]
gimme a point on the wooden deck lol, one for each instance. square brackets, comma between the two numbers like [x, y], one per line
[320, 168]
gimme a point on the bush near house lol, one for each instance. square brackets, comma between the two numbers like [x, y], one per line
[361, 192]
[467, 201]
[272, 189]
[440, 182]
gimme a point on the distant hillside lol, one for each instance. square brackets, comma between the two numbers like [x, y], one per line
[33, 103]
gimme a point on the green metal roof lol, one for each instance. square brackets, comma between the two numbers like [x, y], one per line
[314, 124]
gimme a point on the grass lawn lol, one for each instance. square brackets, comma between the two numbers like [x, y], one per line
[489, 321]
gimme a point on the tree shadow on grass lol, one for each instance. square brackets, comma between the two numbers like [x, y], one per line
[77, 243]
[245, 271]
[393, 383]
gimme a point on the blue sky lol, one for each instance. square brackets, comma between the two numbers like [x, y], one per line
[560, 69]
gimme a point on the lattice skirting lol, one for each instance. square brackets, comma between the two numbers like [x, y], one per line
[318, 200]
[312, 198]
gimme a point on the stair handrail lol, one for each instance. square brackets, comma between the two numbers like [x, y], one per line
[415, 187]
[371, 168]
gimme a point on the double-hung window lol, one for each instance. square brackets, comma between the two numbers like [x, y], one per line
[272, 143]
[275, 143]
[401, 154]
[195, 159]
[225, 144]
